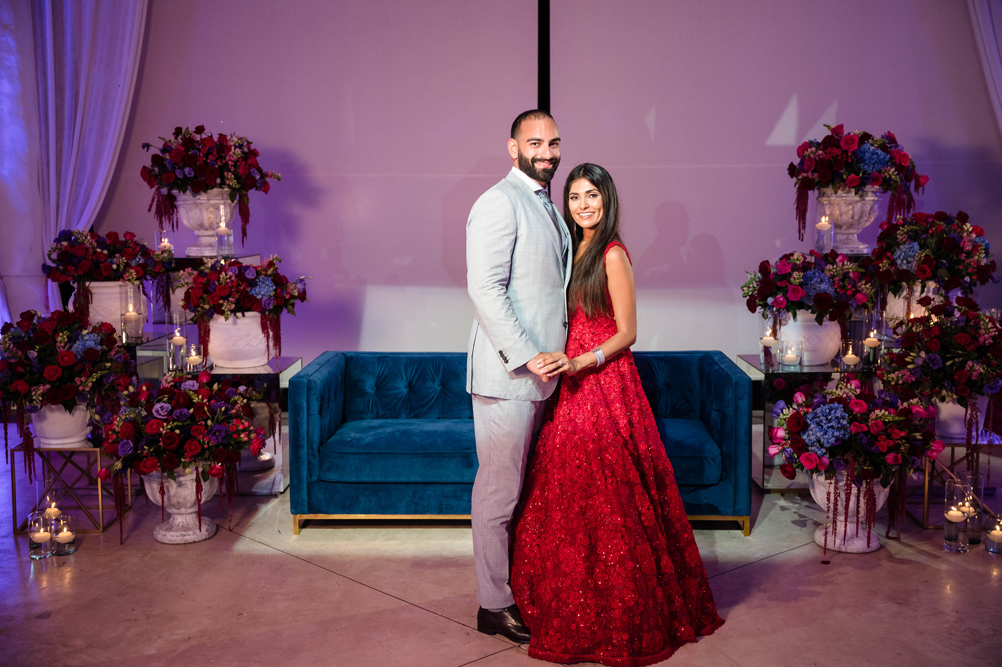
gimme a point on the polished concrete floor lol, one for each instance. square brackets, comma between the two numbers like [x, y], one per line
[403, 594]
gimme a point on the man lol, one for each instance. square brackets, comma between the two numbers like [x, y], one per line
[518, 267]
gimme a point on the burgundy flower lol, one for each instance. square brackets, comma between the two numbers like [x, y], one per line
[795, 422]
[191, 448]
[850, 142]
[148, 465]
[788, 471]
[66, 358]
[52, 373]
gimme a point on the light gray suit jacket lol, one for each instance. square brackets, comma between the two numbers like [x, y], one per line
[518, 266]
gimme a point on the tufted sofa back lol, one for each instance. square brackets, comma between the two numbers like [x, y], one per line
[418, 385]
[671, 381]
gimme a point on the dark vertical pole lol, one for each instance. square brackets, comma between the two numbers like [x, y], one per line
[543, 93]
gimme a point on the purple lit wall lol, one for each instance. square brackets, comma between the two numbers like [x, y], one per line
[388, 119]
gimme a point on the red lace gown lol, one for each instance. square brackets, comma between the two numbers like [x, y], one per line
[605, 566]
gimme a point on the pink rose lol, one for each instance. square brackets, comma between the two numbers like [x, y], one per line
[935, 447]
[893, 458]
[917, 412]
[796, 293]
[860, 298]
[853, 180]
[920, 181]
[876, 426]
[856, 427]
[775, 449]
[779, 302]
[778, 434]
[904, 159]
[104, 474]
[855, 385]
[809, 164]
[799, 398]
[876, 179]
[809, 460]
[802, 149]
[850, 142]
[783, 266]
[857, 406]
[823, 463]
[838, 130]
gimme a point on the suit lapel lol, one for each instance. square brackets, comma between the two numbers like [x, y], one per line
[543, 218]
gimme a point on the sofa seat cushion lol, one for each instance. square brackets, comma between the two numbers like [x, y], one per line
[401, 451]
[693, 453]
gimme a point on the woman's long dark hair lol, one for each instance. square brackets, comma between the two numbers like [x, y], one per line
[588, 282]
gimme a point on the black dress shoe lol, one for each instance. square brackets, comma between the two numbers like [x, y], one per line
[507, 623]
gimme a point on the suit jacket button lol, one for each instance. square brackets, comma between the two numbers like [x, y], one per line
[565, 325]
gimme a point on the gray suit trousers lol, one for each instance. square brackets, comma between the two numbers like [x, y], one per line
[505, 430]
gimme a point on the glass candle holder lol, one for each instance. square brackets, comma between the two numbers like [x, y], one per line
[133, 308]
[64, 535]
[871, 347]
[177, 338]
[224, 240]
[163, 241]
[39, 536]
[824, 230]
[973, 509]
[852, 352]
[791, 353]
[993, 537]
[955, 535]
[194, 360]
[768, 340]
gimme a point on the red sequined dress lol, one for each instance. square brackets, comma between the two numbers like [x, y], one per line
[605, 566]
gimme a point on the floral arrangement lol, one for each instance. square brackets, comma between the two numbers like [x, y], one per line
[193, 161]
[60, 360]
[953, 352]
[81, 257]
[183, 425]
[853, 431]
[226, 288]
[854, 161]
[941, 249]
[828, 286]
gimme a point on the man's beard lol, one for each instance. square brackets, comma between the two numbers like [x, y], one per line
[527, 167]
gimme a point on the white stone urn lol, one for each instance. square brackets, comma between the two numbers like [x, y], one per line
[821, 342]
[180, 502]
[847, 538]
[105, 303]
[56, 428]
[850, 214]
[951, 424]
[237, 342]
[204, 213]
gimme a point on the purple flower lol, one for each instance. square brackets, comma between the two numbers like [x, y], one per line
[231, 392]
[181, 414]
[994, 386]
[189, 172]
[301, 284]
[934, 360]
[217, 405]
[161, 410]
[233, 270]
[179, 173]
[267, 303]
[216, 432]
[250, 273]
[125, 448]
[189, 385]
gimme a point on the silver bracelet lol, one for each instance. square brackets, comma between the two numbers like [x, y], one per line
[599, 355]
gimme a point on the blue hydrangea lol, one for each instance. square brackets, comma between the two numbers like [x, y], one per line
[828, 425]
[871, 159]
[906, 254]
[816, 281]
[86, 341]
[983, 241]
[264, 287]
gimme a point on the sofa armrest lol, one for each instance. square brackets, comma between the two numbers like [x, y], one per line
[316, 409]
[725, 410]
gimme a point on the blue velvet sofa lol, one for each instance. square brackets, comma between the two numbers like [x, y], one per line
[390, 435]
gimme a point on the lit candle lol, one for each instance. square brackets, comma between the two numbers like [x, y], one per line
[768, 341]
[178, 340]
[194, 358]
[52, 512]
[954, 515]
[223, 230]
[967, 509]
[872, 341]
[66, 536]
[824, 225]
[995, 535]
[850, 359]
[790, 358]
[41, 537]
[165, 245]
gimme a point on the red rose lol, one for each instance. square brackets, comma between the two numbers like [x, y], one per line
[198, 430]
[893, 458]
[66, 358]
[148, 465]
[20, 386]
[853, 180]
[922, 271]
[795, 422]
[127, 431]
[963, 390]
[961, 376]
[788, 471]
[838, 130]
[52, 373]
[822, 301]
[962, 339]
[91, 354]
[216, 471]
[170, 461]
[220, 456]
[903, 159]
[876, 179]
[155, 426]
[850, 142]
[104, 474]
[191, 448]
[170, 440]
[4, 365]
[797, 444]
[908, 339]
[201, 412]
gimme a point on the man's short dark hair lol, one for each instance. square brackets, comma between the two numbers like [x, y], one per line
[531, 114]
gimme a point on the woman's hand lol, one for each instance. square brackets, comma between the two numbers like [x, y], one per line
[552, 364]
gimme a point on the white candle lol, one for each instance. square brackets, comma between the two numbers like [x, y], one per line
[65, 537]
[955, 515]
[224, 231]
[824, 225]
[40, 537]
[164, 245]
[967, 509]
[52, 512]
[871, 342]
[178, 340]
[768, 341]
[790, 358]
[850, 359]
[194, 360]
[995, 535]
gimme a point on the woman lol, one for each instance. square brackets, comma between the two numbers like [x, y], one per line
[605, 566]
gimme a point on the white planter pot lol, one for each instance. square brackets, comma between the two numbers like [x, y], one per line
[105, 303]
[850, 214]
[821, 341]
[847, 538]
[203, 213]
[180, 501]
[950, 423]
[237, 342]
[56, 428]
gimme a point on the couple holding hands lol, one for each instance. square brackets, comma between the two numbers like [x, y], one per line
[578, 526]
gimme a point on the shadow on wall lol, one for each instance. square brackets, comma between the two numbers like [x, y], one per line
[674, 259]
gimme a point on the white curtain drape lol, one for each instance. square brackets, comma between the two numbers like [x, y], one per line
[86, 58]
[986, 18]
